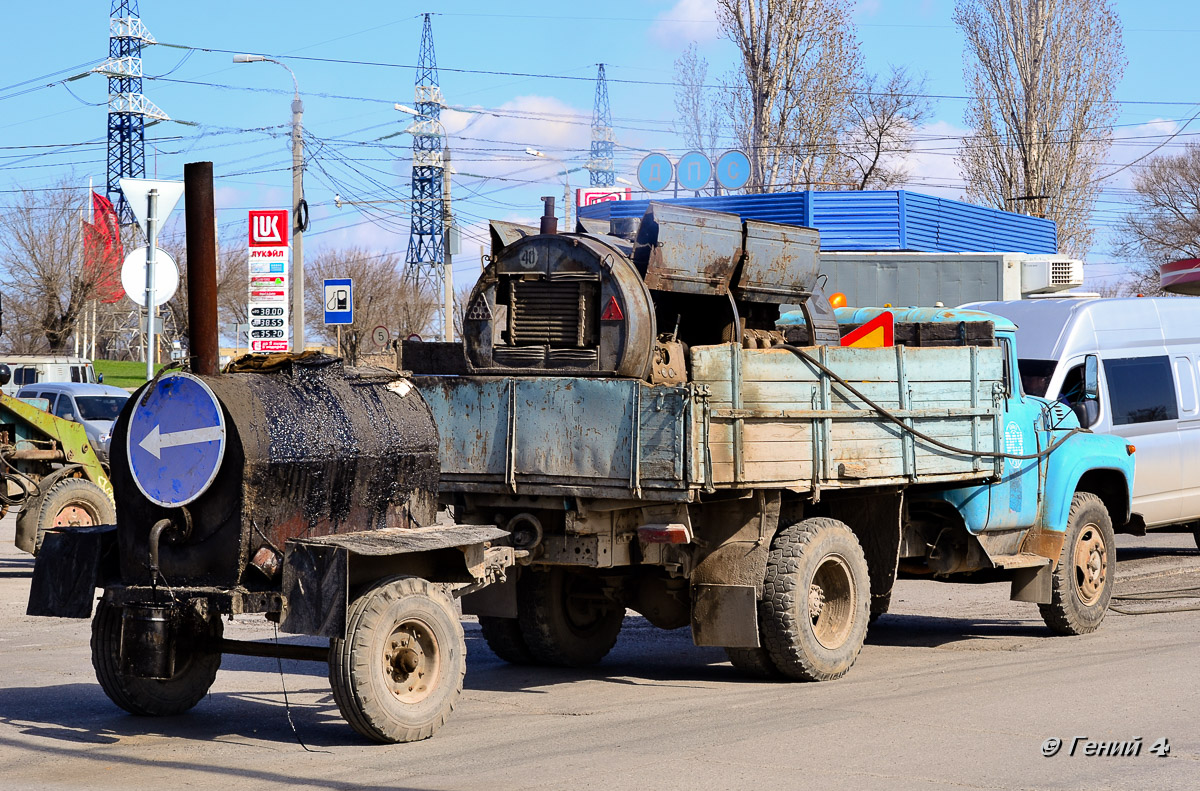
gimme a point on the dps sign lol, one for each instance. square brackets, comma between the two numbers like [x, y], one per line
[339, 300]
[268, 268]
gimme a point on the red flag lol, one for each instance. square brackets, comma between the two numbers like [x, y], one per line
[103, 250]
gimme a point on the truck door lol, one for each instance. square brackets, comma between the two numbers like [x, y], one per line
[1013, 501]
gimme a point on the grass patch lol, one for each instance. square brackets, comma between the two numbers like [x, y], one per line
[122, 373]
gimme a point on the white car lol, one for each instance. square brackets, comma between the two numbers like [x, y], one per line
[94, 406]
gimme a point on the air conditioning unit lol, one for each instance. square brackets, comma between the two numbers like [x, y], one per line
[1046, 274]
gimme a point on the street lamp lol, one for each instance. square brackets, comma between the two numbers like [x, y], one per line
[299, 205]
[567, 202]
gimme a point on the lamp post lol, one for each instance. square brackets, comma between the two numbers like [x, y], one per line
[299, 205]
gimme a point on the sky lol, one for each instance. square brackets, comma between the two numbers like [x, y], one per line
[514, 76]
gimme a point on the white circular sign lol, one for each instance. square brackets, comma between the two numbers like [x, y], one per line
[133, 276]
[381, 335]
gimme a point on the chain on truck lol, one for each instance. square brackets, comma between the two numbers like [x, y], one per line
[628, 423]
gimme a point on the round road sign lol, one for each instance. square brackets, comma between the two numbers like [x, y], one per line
[133, 276]
[695, 171]
[733, 170]
[654, 173]
[381, 335]
[176, 440]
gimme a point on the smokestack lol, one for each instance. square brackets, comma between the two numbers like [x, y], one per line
[200, 228]
[549, 221]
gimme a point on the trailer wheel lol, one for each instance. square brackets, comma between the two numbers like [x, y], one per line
[503, 636]
[565, 618]
[195, 670]
[398, 672]
[1083, 580]
[816, 600]
[72, 502]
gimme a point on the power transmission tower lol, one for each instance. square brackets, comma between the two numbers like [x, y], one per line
[600, 165]
[128, 109]
[426, 240]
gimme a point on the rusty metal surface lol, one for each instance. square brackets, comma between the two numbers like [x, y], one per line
[688, 250]
[781, 263]
[393, 541]
[527, 435]
[200, 216]
[313, 449]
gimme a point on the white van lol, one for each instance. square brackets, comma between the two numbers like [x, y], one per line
[1149, 355]
[28, 369]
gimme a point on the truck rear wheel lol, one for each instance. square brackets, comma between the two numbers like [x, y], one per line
[72, 502]
[399, 670]
[1083, 580]
[816, 600]
[503, 636]
[195, 670]
[753, 662]
[565, 618]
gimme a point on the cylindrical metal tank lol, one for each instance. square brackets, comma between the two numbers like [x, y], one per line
[312, 449]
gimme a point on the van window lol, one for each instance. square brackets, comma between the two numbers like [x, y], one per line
[1187, 385]
[25, 375]
[1141, 390]
[63, 407]
[75, 374]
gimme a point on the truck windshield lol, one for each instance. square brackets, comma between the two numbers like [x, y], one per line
[1035, 375]
[100, 407]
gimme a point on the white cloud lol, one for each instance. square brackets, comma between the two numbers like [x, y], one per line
[1132, 143]
[932, 167]
[684, 22]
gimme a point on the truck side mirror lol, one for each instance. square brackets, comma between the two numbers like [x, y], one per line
[1091, 378]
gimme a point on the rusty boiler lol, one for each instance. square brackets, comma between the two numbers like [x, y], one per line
[312, 449]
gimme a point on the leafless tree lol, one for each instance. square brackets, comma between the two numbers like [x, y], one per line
[799, 66]
[232, 282]
[382, 297]
[883, 121]
[1042, 75]
[462, 294]
[44, 271]
[698, 106]
[1164, 222]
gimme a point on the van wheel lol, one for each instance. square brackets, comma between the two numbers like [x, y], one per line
[816, 600]
[1083, 580]
[70, 503]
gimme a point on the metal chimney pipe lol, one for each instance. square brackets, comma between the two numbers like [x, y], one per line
[200, 217]
[549, 221]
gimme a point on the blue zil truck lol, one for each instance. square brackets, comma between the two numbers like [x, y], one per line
[661, 415]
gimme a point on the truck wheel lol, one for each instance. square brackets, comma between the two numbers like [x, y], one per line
[816, 600]
[503, 636]
[1083, 580]
[753, 662]
[399, 670]
[72, 502]
[195, 670]
[565, 618]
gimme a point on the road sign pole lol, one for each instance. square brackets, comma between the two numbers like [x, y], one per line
[152, 238]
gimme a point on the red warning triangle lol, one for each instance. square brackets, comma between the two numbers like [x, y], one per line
[879, 331]
[612, 311]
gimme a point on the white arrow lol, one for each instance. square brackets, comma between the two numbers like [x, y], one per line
[155, 441]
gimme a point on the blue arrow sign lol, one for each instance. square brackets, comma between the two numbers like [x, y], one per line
[176, 440]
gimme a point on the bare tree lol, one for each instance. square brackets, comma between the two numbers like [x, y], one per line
[47, 277]
[699, 107]
[1042, 75]
[799, 66]
[884, 118]
[1164, 222]
[232, 283]
[382, 297]
[462, 296]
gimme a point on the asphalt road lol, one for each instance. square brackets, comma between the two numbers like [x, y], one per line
[956, 688]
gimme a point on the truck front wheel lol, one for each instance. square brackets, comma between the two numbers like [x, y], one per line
[1083, 580]
[816, 600]
[399, 670]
